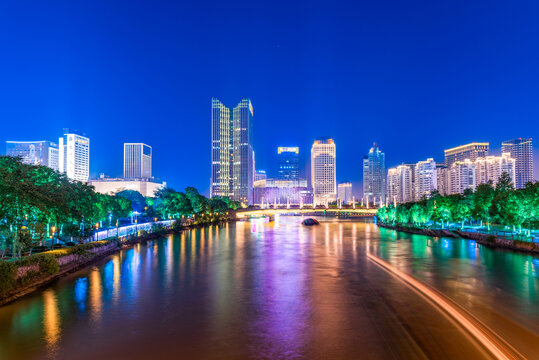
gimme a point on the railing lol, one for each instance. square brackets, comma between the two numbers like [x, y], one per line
[124, 231]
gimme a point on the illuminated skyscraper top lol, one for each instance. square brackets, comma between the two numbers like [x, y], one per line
[232, 155]
[470, 151]
[288, 159]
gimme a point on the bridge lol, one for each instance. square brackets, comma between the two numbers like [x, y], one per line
[255, 213]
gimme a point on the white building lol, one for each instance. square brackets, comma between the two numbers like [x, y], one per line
[112, 186]
[399, 184]
[442, 179]
[490, 168]
[137, 161]
[74, 155]
[425, 178]
[43, 152]
[323, 172]
[344, 192]
[461, 176]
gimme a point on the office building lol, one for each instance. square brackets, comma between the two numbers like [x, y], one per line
[323, 172]
[232, 155]
[374, 173]
[344, 192]
[425, 179]
[43, 152]
[461, 176]
[137, 161]
[74, 155]
[282, 192]
[399, 184]
[288, 160]
[522, 151]
[490, 168]
[470, 151]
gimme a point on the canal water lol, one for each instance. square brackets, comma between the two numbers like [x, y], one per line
[278, 290]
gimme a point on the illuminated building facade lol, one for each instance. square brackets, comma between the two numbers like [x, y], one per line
[232, 155]
[522, 151]
[323, 172]
[470, 151]
[288, 160]
[43, 153]
[461, 176]
[425, 179]
[374, 175]
[282, 192]
[74, 155]
[137, 161]
[442, 179]
[399, 184]
[490, 168]
[344, 192]
[146, 187]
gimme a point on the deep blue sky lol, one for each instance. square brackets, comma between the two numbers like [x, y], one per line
[416, 77]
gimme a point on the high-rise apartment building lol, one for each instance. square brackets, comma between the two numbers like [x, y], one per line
[470, 151]
[490, 168]
[74, 155]
[232, 155]
[344, 192]
[425, 179]
[442, 179]
[288, 160]
[43, 152]
[374, 175]
[323, 171]
[399, 184]
[522, 151]
[461, 176]
[137, 161]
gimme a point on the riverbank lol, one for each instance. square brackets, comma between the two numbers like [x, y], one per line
[19, 278]
[483, 239]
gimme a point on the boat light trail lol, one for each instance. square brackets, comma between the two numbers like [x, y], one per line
[482, 333]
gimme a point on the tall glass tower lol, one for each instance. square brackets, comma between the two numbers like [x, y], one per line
[232, 155]
[522, 151]
[288, 159]
[374, 171]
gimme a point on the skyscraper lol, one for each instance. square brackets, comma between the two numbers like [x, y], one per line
[137, 161]
[374, 175]
[344, 192]
[232, 155]
[288, 159]
[323, 171]
[425, 179]
[469, 151]
[35, 152]
[74, 155]
[522, 151]
[399, 184]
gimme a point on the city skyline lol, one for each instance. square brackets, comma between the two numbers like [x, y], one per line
[384, 81]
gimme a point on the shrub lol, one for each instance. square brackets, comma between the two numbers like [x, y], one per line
[48, 264]
[7, 277]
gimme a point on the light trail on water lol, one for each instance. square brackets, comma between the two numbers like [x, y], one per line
[493, 343]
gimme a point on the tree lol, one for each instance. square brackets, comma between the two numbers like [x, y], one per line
[482, 201]
[505, 183]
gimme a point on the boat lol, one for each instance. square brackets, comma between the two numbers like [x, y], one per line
[310, 222]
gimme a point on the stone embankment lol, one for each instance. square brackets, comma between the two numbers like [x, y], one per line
[483, 239]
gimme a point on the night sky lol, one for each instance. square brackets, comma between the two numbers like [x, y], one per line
[416, 77]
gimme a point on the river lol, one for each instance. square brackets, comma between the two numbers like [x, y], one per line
[279, 290]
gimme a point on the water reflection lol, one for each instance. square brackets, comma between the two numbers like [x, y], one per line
[51, 322]
[262, 289]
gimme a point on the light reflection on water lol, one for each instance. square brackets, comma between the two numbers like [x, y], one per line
[255, 288]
